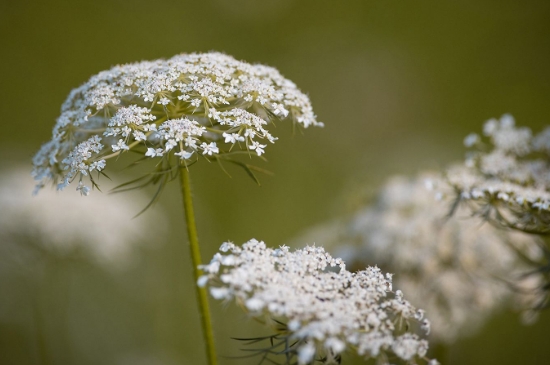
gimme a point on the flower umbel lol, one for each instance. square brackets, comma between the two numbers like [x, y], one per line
[319, 307]
[456, 268]
[178, 109]
[507, 181]
[63, 225]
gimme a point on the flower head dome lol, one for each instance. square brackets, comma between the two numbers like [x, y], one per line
[188, 106]
[327, 309]
[506, 179]
[63, 225]
[458, 269]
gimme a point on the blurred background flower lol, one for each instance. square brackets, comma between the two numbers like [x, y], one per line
[507, 181]
[397, 84]
[47, 243]
[460, 269]
[62, 225]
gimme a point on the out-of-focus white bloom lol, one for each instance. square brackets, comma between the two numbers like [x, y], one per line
[456, 268]
[327, 308]
[507, 181]
[471, 140]
[184, 104]
[61, 224]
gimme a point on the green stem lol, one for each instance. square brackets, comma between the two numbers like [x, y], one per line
[196, 258]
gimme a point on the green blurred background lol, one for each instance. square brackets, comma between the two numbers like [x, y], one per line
[398, 85]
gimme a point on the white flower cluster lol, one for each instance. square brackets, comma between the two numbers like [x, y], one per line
[508, 182]
[185, 105]
[326, 308]
[65, 224]
[457, 269]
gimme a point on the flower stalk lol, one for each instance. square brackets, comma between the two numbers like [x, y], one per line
[202, 298]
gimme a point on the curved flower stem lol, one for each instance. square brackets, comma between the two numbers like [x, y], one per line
[196, 258]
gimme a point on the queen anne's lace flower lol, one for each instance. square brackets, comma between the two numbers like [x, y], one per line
[508, 182]
[458, 269]
[327, 309]
[63, 225]
[188, 106]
